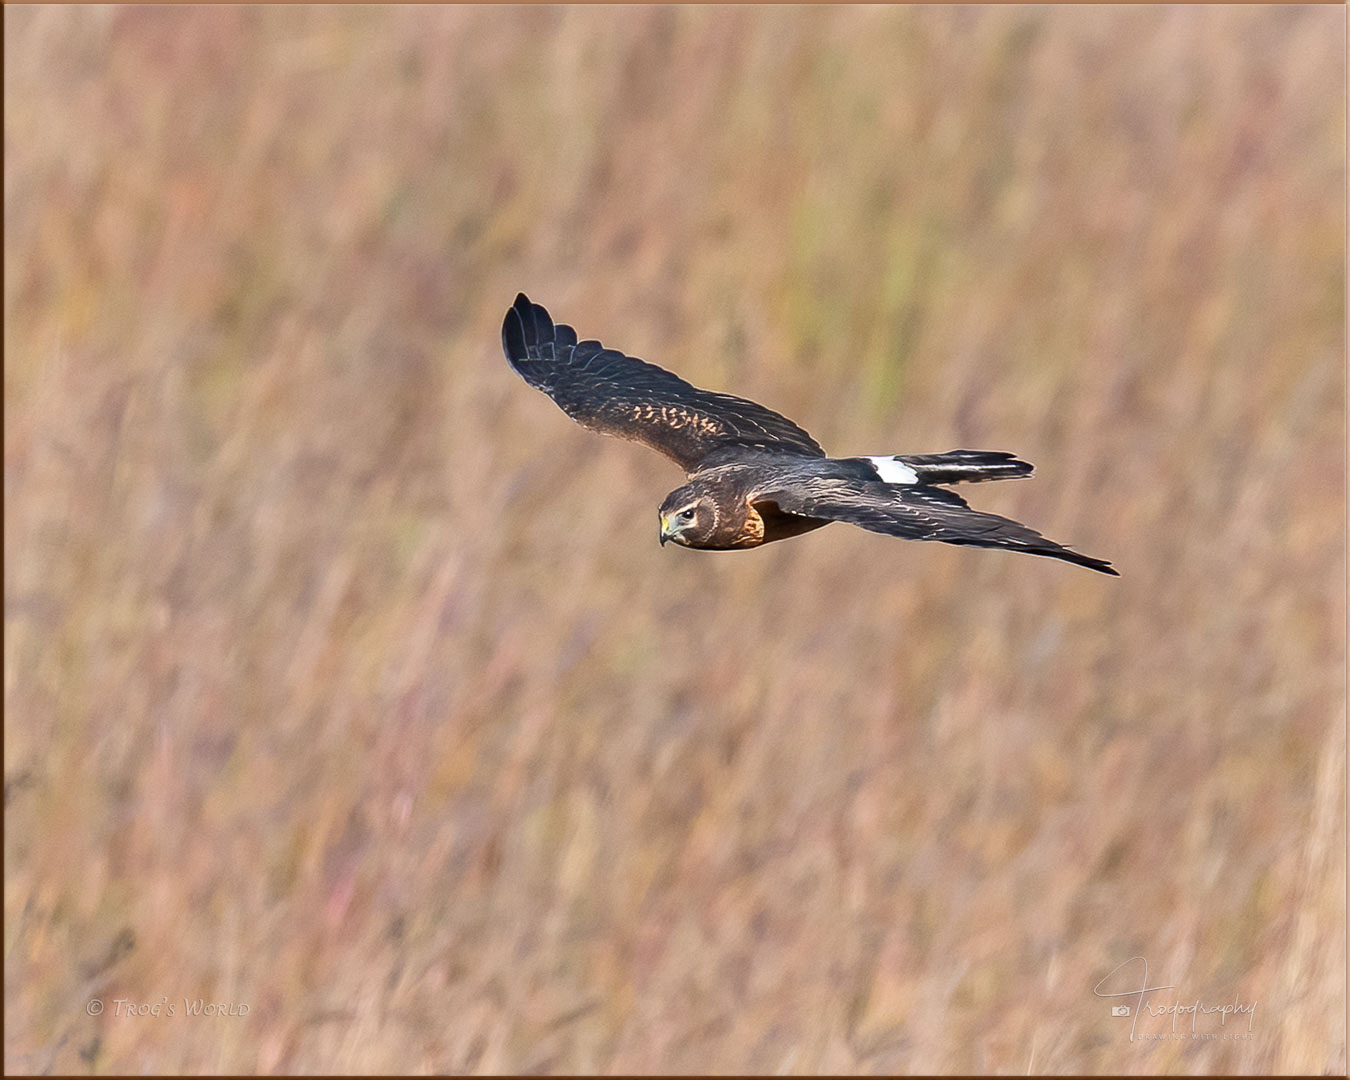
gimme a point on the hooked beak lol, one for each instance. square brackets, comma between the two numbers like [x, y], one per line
[666, 531]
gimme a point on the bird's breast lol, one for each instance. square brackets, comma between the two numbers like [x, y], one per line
[752, 531]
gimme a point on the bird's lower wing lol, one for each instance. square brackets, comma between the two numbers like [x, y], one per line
[916, 512]
[606, 391]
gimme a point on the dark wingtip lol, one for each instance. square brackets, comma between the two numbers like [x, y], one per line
[527, 326]
[1100, 565]
[1067, 554]
[536, 325]
[513, 330]
[529, 335]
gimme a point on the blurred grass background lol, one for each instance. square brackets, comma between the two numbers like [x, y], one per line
[344, 676]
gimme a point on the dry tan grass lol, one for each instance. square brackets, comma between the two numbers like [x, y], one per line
[344, 677]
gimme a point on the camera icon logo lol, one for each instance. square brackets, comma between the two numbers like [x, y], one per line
[1120, 1010]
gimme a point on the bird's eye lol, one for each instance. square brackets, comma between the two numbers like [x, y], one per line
[687, 514]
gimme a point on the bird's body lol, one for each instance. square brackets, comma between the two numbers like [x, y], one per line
[754, 475]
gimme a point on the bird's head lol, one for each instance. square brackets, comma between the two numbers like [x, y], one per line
[689, 517]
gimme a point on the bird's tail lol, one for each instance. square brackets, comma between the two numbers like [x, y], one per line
[965, 466]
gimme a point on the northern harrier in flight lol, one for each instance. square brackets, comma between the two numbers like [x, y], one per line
[755, 476]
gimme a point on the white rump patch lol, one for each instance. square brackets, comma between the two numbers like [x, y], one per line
[892, 471]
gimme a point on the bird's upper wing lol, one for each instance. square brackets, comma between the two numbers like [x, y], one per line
[606, 391]
[916, 512]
